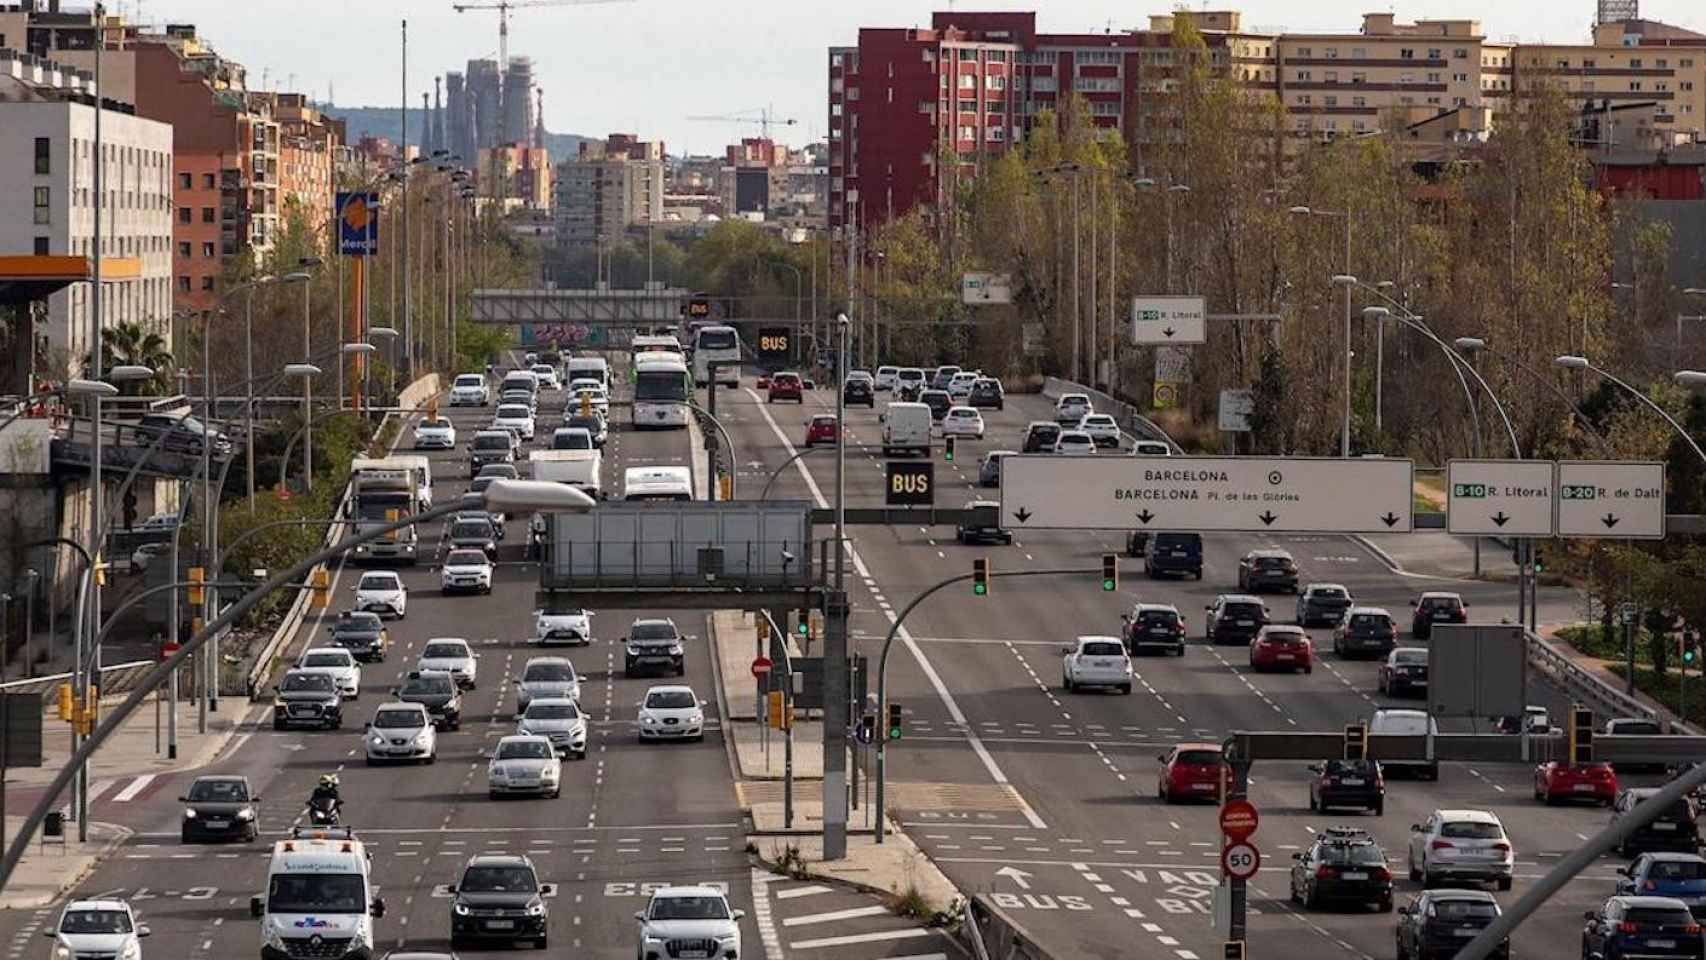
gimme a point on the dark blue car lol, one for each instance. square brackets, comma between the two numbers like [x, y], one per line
[1649, 927]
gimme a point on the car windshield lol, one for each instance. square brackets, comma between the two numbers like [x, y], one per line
[317, 893]
[1465, 909]
[589, 424]
[1327, 593]
[1045, 430]
[306, 682]
[498, 880]
[379, 581]
[1104, 649]
[671, 700]
[688, 908]
[1440, 603]
[1472, 830]
[1353, 853]
[524, 750]
[95, 922]
[357, 623]
[1158, 618]
[1285, 636]
[479, 484]
[218, 791]
[470, 380]
[491, 442]
[551, 711]
[399, 719]
[1656, 916]
[435, 424]
[444, 651]
[652, 631]
[1243, 611]
[1410, 656]
[1676, 870]
[1642, 728]
[549, 672]
[1199, 756]
[1271, 561]
[465, 558]
[1349, 768]
[1370, 621]
[428, 687]
[470, 529]
[326, 660]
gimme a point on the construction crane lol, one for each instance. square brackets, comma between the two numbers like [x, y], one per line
[503, 7]
[766, 118]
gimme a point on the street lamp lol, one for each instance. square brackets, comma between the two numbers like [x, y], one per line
[307, 371]
[1473, 345]
[1347, 281]
[349, 350]
[90, 388]
[1570, 362]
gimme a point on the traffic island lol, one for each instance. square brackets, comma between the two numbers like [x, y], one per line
[50, 869]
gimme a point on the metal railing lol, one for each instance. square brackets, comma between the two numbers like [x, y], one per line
[1128, 416]
[1583, 687]
[703, 564]
[118, 678]
[988, 933]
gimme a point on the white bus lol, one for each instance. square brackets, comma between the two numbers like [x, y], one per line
[657, 483]
[661, 390]
[655, 343]
[714, 344]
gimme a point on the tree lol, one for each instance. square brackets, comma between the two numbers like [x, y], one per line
[131, 344]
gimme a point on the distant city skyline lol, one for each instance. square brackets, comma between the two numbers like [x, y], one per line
[646, 66]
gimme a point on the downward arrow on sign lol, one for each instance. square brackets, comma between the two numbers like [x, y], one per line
[1168, 333]
[1499, 518]
[1016, 875]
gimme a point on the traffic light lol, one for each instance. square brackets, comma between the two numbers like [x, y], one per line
[91, 711]
[67, 702]
[1581, 735]
[803, 623]
[196, 578]
[1690, 647]
[894, 721]
[1356, 741]
[320, 581]
[948, 449]
[980, 576]
[868, 728]
[1110, 572]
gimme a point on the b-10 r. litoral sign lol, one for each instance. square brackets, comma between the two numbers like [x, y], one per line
[1268, 494]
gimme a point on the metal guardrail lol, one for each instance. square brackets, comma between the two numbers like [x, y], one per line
[1127, 414]
[1581, 686]
[990, 934]
[118, 678]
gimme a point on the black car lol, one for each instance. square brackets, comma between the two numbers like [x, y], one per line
[981, 523]
[592, 423]
[1235, 618]
[1040, 436]
[490, 446]
[1323, 603]
[938, 401]
[857, 391]
[219, 808]
[1435, 924]
[499, 898]
[1675, 829]
[1652, 928]
[1261, 570]
[653, 645]
[1156, 625]
[437, 691]
[1343, 865]
[1171, 554]
[1404, 672]
[987, 392]
[1365, 630]
[1432, 608]
[1347, 783]
[474, 533]
[362, 633]
[307, 699]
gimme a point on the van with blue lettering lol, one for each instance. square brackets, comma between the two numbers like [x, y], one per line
[320, 900]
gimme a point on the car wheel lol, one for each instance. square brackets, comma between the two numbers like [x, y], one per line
[185, 836]
[1314, 806]
[1505, 883]
[1125, 688]
[372, 762]
[1309, 669]
[1386, 905]
[1380, 807]
[278, 725]
[1067, 683]
[1415, 874]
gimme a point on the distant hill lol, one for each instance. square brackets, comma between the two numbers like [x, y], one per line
[385, 122]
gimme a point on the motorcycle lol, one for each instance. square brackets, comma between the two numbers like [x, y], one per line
[324, 812]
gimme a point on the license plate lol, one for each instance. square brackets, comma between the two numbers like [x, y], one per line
[1351, 782]
[692, 954]
[1662, 944]
[500, 924]
[1442, 616]
[1246, 623]
[1583, 788]
[1666, 827]
[1468, 931]
[1284, 656]
[218, 824]
[1178, 553]
[1358, 875]
[1202, 786]
[663, 659]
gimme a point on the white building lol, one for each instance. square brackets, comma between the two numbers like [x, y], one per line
[47, 133]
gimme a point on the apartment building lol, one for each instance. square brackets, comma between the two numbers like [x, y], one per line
[520, 174]
[608, 186]
[47, 197]
[310, 151]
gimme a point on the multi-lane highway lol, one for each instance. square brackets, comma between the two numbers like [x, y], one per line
[1047, 800]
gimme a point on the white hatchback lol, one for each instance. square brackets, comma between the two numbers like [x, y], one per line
[450, 655]
[382, 592]
[516, 418]
[1074, 442]
[1102, 428]
[435, 434]
[547, 376]
[1072, 408]
[962, 422]
[97, 928]
[399, 732]
[672, 713]
[339, 664]
[886, 378]
[524, 765]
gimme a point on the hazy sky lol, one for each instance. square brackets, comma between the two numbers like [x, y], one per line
[645, 66]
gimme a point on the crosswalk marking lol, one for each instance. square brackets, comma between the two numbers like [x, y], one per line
[801, 892]
[135, 787]
[852, 938]
[834, 915]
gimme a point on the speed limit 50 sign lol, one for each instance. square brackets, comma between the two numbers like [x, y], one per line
[1240, 860]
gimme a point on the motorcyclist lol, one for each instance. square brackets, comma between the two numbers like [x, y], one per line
[325, 794]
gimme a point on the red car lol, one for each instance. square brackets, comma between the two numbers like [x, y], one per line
[1282, 648]
[821, 429]
[764, 381]
[1555, 781]
[1193, 771]
[787, 386]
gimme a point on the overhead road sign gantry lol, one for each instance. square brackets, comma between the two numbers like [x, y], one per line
[1230, 494]
[1511, 498]
[1169, 320]
[1609, 498]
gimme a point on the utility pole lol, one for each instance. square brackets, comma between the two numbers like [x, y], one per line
[835, 684]
[85, 681]
[403, 157]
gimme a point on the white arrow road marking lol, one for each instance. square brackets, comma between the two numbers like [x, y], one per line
[1016, 875]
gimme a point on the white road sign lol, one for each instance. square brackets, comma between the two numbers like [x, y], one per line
[1510, 498]
[1262, 494]
[1610, 498]
[981, 288]
[1235, 409]
[1168, 320]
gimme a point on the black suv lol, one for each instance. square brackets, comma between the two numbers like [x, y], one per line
[938, 401]
[1261, 570]
[1040, 436]
[1154, 625]
[1365, 630]
[981, 523]
[499, 898]
[1347, 783]
[362, 633]
[437, 691]
[1235, 618]
[656, 645]
[987, 392]
[1343, 865]
[1673, 830]
[858, 391]
[1174, 553]
[308, 699]
[490, 446]
[474, 533]
[1432, 608]
[1438, 923]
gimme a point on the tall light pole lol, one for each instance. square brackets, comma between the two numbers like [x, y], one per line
[307, 371]
[1688, 292]
[1347, 281]
[389, 335]
[1685, 378]
[348, 350]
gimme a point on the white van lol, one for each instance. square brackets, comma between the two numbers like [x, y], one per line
[657, 483]
[319, 899]
[592, 367]
[1406, 723]
[906, 429]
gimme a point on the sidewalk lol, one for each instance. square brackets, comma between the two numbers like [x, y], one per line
[1439, 555]
[47, 871]
[893, 867]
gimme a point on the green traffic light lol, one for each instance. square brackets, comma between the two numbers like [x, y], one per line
[980, 588]
[802, 629]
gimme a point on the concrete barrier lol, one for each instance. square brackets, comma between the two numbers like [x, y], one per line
[1128, 416]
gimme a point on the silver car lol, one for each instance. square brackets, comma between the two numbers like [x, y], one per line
[1461, 845]
[547, 677]
[524, 765]
[557, 719]
[989, 471]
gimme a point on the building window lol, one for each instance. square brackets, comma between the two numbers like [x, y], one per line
[1635, 85]
[1359, 77]
[1331, 76]
[995, 133]
[183, 214]
[44, 161]
[1461, 53]
[1685, 64]
[183, 284]
[995, 83]
[1359, 53]
[1359, 101]
[186, 181]
[1460, 78]
[968, 132]
[1635, 64]
[1661, 63]
[1305, 52]
[968, 106]
[968, 81]
[183, 249]
[1330, 101]
[1332, 53]
[1304, 99]
[209, 182]
[43, 201]
[1435, 78]
[1407, 53]
[1687, 84]
[41, 246]
[207, 215]
[1304, 74]
[1587, 63]
[207, 282]
[1433, 53]
[1358, 126]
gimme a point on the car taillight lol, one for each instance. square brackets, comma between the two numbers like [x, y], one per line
[1691, 929]
[1381, 873]
[1502, 847]
[1442, 845]
[1626, 926]
[1325, 872]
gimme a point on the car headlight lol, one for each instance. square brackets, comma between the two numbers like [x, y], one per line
[648, 720]
[460, 908]
[675, 649]
[279, 703]
[189, 813]
[696, 718]
[536, 909]
[247, 813]
[271, 936]
[633, 651]
[61, 952]
[132, 951]
[377, 740]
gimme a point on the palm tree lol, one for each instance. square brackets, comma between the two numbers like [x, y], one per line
[133, 344]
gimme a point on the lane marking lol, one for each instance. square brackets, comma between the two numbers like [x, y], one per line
[851, 913]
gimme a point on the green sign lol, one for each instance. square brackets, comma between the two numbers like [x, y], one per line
[1470, 491]
[1578, 491]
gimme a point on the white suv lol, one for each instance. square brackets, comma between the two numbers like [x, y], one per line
[469, 390]
[469, 570]
[1461, 845]
[570, 626]
[450, 655]
[689, 913]
[1072, 408]
[339, 664]
[1096, 662]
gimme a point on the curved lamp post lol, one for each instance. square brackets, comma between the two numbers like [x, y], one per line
[1472, 345]
[1570, 362]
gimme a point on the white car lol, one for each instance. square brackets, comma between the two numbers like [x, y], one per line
[470, 390]
[959, 388]
[1150, 448]
[569, 626]
[516, 418]
[398, 732]
[886, 378]
[1102, 428]
[557, 719]
[672, 713]
[1096, 662]
[450, 655]
[337, 662]
[581, 383]
[97, 928]
[545, 677]
[435, 434]
[1074, 442]
[962, 422]
[524, 765]
[689, 913]
[382, 592]
[466, 570]
[593, 395]
[547, 375]
[1461, 845]
[1072, 408]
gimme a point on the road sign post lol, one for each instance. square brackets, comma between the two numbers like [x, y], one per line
[1168, 320]
[1240, 815]
[1610, 498]
[1238, 819]
[1502, 498]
